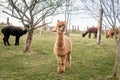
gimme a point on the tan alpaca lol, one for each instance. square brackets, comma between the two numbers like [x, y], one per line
[112, 32]
[62, 47]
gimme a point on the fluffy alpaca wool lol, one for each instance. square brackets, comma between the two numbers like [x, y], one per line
[112, 32]
[89, 31]
[14, 31]
[62, 47]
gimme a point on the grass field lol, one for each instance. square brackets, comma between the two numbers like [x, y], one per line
[89, 61]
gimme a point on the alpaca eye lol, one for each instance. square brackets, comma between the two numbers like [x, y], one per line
[59, 26]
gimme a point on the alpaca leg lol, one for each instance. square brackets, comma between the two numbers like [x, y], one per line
[69, 60]
[7, 39]
[89, 36]
[63, 61]
[59, 64]
[4, 40]
[17, 40]
[95, 36]
[112, 36]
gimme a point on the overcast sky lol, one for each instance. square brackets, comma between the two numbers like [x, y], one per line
[77, 20]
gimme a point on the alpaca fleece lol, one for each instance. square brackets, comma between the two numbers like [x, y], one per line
[14, 31]
[112, 32]
[62, 47]
[89, 31]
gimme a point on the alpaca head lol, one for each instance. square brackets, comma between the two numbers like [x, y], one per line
[107, 36]
[61, 25]
[27, 26]
[83, 35]
[25, 30]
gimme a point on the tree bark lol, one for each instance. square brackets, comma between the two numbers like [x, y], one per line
[8, 22]
[99, 26]
[117, 57]
[28, 40]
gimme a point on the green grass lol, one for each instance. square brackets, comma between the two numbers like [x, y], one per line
[89, 61]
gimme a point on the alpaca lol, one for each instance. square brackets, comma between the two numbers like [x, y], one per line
[62, 47]
[14, 31]
[111, 32]
[90, 30]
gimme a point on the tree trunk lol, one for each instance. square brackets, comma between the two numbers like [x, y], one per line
[8, 22]
[28, 40]
[105, 31]
[99, 26]
[117, 57]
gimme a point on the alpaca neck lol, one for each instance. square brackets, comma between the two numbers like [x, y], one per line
[85, 33]
[24, 31]
[60, 40]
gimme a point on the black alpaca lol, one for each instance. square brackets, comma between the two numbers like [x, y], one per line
[90, 30]
[14, 31]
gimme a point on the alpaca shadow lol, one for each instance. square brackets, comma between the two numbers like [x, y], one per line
[14, 31]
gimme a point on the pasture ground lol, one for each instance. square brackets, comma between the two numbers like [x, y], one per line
[89, 60]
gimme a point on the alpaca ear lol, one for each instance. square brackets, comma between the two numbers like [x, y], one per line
[65, 22]
[57, 20]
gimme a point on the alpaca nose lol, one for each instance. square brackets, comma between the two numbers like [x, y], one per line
[62, 28]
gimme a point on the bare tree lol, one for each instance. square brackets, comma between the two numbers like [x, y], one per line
[94, 11]
[111, 18]
[100, 24]
[67, 14]
[112, 15]
[30, 12]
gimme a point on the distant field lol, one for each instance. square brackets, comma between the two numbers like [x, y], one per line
[89, 61]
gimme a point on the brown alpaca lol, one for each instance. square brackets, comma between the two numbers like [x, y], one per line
[89, 31]
[62, 47]
[111, 32]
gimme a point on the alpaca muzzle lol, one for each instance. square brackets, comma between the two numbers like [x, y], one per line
[62, 28]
